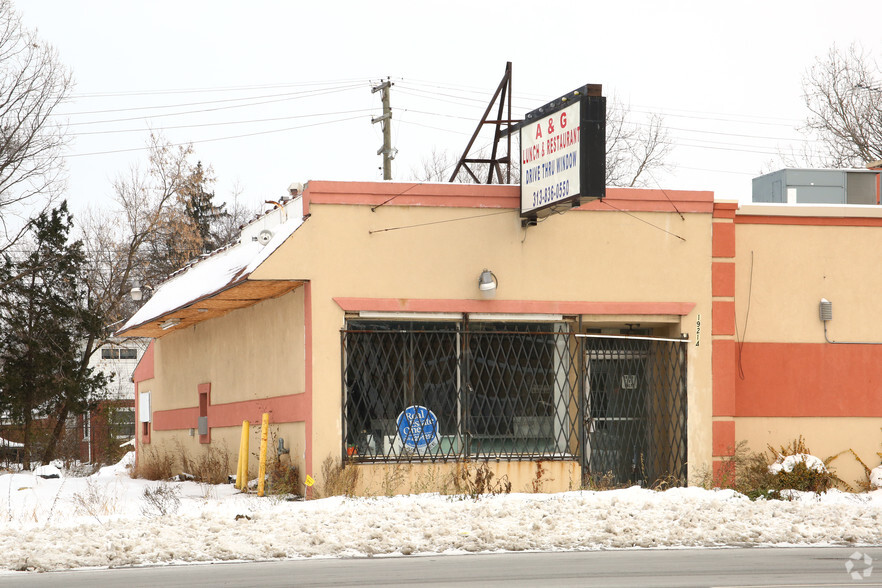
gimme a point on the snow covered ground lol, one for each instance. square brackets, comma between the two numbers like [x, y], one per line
[105, 520]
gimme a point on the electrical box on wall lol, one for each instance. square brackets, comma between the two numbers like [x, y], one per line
[203, 425]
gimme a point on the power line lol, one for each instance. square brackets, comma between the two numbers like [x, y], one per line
[288, 97]
[720, 171]
[184, 144]
[664, 111]
[425, 126]
[233, 122]
[214, 89]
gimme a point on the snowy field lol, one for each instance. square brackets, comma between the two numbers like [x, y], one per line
[105, 520]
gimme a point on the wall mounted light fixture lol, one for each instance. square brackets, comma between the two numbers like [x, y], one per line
[487, 284]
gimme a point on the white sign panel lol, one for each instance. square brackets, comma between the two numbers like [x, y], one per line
[144, 407]
[550, 159]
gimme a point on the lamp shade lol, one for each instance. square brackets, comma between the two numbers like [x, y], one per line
[487, 284]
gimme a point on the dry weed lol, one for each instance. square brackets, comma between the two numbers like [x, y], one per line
[154, 463]
[95, 500]
[211, 465]
[337, 479]
[472, 481]
[161, 499]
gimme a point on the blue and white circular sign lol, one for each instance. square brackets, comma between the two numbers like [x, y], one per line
[418, 427]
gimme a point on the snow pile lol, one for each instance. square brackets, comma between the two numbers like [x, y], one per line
[107, 520]
[876, 477]
[787, 463]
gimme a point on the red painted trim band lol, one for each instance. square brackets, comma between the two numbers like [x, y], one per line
[494, 196]
[513, 306]
[723, 438]
[809, 380]
[283, 409]
[144, 369]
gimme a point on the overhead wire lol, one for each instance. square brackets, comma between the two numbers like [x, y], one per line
[739, 147]
[455, 94]
[233, 122]
[285, 99]
[199, 141]
[214, 89]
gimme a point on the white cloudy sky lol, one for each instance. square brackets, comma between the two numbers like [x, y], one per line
[727, 78]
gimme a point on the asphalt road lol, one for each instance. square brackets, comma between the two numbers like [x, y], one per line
[758, 567]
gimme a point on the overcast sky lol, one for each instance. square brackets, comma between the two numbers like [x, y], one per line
[726, 78]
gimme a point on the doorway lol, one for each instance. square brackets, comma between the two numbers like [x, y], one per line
[634, 410]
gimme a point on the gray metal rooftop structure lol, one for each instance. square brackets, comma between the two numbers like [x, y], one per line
[818, 186]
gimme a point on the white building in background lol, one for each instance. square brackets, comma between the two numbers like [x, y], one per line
[113, 422]
[118, 358]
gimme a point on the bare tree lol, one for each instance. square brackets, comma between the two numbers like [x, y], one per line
[633, 151]
[843, 93]
[438, 165]
[150, 234]
[147, 235]
[117, 247]
[33, 83]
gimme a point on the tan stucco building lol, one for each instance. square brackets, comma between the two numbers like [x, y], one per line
[639, 337]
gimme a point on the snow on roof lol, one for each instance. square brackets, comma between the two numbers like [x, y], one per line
[220, 270]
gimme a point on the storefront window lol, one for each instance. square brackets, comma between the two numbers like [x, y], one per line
[435, 390]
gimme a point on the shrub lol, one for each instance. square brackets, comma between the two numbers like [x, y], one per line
[790, 467]
[283, 478]
[154, 463]
[211, 465]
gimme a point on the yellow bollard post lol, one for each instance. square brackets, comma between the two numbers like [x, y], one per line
[242, 469]
[238, 484]
[261, 471]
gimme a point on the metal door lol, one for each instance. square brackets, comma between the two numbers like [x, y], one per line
[635, 410]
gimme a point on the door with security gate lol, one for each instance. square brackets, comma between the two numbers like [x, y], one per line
[634, 410]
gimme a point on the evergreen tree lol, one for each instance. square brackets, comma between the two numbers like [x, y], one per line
[45, 320]
[202, 212]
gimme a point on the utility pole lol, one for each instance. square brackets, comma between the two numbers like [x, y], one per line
[386, 150]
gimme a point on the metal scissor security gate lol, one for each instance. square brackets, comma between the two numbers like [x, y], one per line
[427, 391]
[635, 409]
[417, 391]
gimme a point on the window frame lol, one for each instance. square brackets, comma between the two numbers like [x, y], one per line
[512, 441]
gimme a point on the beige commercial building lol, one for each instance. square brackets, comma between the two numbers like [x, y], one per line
[406, 328]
